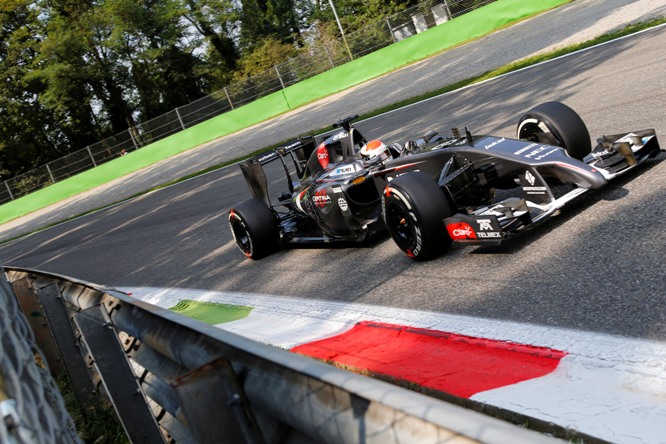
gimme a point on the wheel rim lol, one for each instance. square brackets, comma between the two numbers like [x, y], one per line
[399, 223]
[242, 237]
[536, 130]
[530, 131]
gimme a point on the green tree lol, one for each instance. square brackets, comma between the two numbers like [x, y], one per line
[62, 65]
[151, 39]
[264, 56]
[276, 19]
[77, 71]
[29, 134]
[215, 21]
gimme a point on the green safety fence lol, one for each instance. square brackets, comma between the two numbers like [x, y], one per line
[472, 25]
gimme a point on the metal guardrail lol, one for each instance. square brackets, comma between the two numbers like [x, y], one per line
[322, 56]
[174, 379]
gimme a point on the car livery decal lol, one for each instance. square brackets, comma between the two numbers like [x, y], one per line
[321, 198]
[474, 228]
[461, 231]
[322, 155]
[495, 143]
[344, 170]
[394, 169]
[573, 167]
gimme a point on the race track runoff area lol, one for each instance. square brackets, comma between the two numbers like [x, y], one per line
[607, 387]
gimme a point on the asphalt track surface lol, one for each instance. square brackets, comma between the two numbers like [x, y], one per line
[568, 24]
[597, 267]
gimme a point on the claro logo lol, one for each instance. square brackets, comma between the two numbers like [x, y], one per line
[461, 231]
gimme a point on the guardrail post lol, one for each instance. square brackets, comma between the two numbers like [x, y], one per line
[69, 355]
[27, 299]
[215, 405]
[109, 358]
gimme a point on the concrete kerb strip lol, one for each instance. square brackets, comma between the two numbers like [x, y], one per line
[608, 387]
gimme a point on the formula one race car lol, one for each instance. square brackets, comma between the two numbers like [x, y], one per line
[332, 199]
[483, 189]
[433, 191]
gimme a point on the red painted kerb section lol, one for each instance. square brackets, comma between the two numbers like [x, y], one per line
[452, 363]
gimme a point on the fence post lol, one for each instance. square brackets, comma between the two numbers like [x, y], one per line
[9, 190]
[328, 54]
[231, 104]
[50, 173]
[448, 10]
[131, 133]
[179, 119]
[388, 23]
[91, 156]
[277, 71]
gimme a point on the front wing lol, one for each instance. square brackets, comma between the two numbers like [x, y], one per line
[614, 156]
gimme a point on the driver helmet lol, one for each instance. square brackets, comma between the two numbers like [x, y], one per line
[374, 149]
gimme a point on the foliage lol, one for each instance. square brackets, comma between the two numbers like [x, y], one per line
[263, 57]
[95, 425]
[78, 71]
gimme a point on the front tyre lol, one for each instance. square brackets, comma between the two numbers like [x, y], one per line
[414, 211]
[555, 123]
[255, 228]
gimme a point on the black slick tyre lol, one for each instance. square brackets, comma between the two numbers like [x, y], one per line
[414, 211]
[556, 124]
[254, 228]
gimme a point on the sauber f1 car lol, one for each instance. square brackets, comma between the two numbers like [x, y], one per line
[433, 191]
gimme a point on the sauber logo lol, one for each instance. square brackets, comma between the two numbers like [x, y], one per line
[495, 143]
[529, 177]
[461, 231]
[321, 199]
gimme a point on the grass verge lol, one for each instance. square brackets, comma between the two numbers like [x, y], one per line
[99, 425]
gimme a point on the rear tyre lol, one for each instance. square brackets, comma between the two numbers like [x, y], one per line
[556, 124]
[255, 228]
[414, 211]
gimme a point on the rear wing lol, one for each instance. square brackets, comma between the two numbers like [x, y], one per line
[298, 151]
